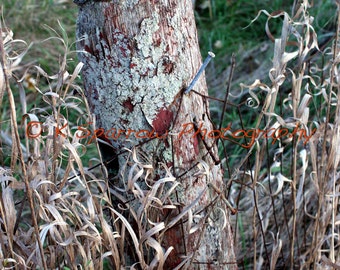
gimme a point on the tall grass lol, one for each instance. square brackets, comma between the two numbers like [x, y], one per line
[285, 187]
[56, 210]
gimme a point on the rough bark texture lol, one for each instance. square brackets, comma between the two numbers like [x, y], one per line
[139, 55]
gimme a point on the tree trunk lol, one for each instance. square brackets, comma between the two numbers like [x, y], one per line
[139, 56]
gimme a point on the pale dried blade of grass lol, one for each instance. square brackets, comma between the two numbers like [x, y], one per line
[280, 46]
[154, 230]
[18, 57]
[277, 246]
[42, 236]
[108, 234]
[304, 167]
[185, 210]
[70, 81]
[54, 212]
[10, 212]
[135, 159]
[132, 178]
[254, 86]
[267, 14]
[170, 191]
[167, 253]
[79, 163]
[132, 234]
[159, 257]
[191, 229]
[307, 98]
[91, 208]
[184, 264]
[152, 195]
[81, 251]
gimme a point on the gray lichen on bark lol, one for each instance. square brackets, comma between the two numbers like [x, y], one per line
[124, 70]
[157, 86]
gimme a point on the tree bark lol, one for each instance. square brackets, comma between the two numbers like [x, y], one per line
[139, 56]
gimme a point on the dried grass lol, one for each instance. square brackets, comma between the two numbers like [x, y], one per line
[56, 213]
[287, 191]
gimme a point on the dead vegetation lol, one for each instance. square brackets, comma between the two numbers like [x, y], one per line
[56, 210]
[286, 186]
